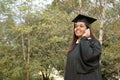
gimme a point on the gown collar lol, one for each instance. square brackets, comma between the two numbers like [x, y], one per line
[77, 42]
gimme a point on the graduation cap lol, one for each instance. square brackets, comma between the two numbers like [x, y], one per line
[83, 18]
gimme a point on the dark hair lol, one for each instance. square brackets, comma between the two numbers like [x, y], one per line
[74, 39]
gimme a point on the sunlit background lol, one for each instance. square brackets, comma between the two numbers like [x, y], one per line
[35, 35]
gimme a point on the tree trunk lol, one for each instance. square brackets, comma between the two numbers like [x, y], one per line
[80, 4]
[103, 9]
[28, 59]
[45, 77]
[23, 48]
[118, 71]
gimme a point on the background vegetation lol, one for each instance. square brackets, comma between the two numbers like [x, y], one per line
[33, 40]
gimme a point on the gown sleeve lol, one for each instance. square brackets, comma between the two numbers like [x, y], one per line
[90, 51]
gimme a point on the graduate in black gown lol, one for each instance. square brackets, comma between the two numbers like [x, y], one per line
[83, 56]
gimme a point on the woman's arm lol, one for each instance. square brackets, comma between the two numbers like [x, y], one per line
[90, 50]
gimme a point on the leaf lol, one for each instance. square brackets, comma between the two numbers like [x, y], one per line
[28, 0]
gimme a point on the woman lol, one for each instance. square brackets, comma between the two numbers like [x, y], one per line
[83, 56]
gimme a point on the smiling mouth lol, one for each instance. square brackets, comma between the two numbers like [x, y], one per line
[78, 31]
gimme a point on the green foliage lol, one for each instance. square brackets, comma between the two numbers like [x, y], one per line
[50, 34]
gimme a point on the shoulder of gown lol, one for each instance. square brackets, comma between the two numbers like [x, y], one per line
[90, 52]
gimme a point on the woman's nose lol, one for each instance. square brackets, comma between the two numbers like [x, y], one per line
[78, 27]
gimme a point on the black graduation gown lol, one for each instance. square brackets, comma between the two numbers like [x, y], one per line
[83, 62]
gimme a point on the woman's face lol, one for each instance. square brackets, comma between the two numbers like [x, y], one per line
[79, 29]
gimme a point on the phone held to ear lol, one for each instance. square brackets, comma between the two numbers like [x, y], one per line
[87, 33]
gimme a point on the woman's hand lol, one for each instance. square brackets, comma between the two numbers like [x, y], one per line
[87, 33]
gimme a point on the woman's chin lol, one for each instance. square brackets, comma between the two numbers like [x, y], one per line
[79, 35]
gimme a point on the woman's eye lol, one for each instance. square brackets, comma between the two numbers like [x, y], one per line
[82, 26]
[76, 26]
[79, 26]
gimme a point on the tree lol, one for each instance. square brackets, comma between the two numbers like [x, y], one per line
[80, 3]
[103, 9]
[34, 41]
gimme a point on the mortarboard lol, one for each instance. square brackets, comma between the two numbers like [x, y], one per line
[83, 18]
